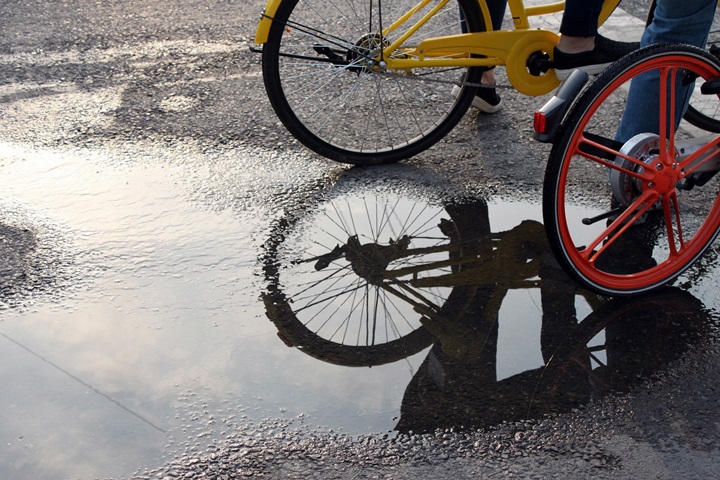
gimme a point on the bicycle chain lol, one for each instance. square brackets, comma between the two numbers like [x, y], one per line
[447, 82]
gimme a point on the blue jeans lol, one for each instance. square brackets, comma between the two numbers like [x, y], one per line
[675, 21]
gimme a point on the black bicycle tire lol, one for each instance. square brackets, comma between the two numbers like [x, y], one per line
[559, 151]
[298, 130]
[693, 115]
[294, 333]
[700, 120]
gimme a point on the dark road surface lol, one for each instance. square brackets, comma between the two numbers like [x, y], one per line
[153, 303]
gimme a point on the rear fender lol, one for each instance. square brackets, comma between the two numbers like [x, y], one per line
[263, 28]
[548, 119]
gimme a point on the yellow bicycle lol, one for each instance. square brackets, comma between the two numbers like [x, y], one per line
[370, 81]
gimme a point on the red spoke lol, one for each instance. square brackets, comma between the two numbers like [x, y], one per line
[673, 212]
[584, 140]
[668, 76]
[631, 214]
[688, 165]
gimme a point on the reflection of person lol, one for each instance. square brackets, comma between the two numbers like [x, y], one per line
[457, 384]
[673, 21]
[641, 335]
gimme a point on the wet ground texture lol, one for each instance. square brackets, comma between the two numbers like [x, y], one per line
[185, 292]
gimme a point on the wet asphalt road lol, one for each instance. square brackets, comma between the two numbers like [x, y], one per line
[172, 86]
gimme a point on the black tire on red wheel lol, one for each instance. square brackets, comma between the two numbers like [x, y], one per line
[666, 226]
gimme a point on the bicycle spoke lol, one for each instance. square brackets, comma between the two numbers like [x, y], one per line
[592, 146]
[700, 158]
[319, 299]
[325, 77]
[342, 287]
[331, 315]
[618, 227]
[671, 210]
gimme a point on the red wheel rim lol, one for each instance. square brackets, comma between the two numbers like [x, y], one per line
[683, 250]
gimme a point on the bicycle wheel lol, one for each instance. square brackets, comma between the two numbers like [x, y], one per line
[316, 67]
[704, 110]
[350, 280]
[623, 219]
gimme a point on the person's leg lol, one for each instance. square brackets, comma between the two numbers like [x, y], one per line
[497, 15]
[486, 99]
[676, 22]
[580, 46]
[580, 18]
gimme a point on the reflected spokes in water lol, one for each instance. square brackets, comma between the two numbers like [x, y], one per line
[369, 292]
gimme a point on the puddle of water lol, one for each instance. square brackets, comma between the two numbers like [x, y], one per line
[163, 303]
[159, 309]
[164, 327]
[369, 277]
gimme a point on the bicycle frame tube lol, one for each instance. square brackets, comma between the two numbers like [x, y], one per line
[263, 28]
[608, 8]
[417, 8]
[518, 10]
[520, 13]
[455, 50]
[445, 49]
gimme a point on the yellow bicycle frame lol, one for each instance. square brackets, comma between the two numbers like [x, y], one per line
[511, 48]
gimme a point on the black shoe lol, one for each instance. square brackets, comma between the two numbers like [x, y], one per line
[486, 99]
[606, 51]
[615, 48]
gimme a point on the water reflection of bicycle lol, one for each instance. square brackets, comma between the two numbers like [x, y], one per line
[620, 344]
[372, 279]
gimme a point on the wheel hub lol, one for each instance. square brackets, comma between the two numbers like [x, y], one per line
[370, 261]
[657, 176]
[366, 49]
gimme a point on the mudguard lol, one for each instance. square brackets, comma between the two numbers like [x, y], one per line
[548, 119]
[263, 28]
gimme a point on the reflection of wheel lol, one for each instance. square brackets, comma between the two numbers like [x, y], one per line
[668, 210]
[328, 88]
[350, 279]
[623, 342]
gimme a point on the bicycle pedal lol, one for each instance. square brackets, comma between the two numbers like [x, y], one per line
[539, 63]
[614, 213]
[711, 87]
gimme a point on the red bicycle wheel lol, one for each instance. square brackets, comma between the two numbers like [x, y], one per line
[631, 217]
